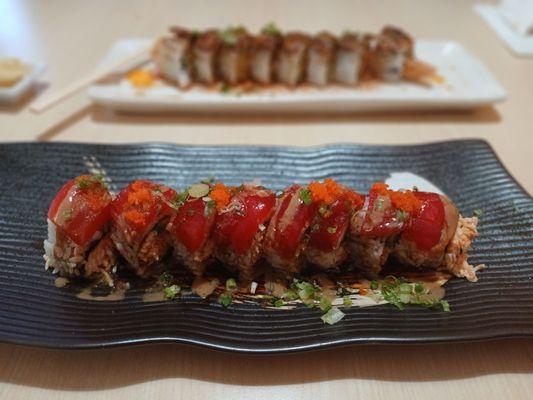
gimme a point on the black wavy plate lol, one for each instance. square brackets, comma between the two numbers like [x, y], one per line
[34, 312]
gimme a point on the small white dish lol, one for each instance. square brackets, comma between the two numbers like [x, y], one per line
[521, 45]
[466, 84]
[11, 94]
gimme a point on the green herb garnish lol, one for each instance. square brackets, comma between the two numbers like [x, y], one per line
[209, 207]
[305, 196]
[231, 284]
[333, 316]
[279, 303]
[331, 229]
[478, 212]
[271, 29]
[225, 299]
[346, 301]
[374, 285]
[171, 291]
[225, 88]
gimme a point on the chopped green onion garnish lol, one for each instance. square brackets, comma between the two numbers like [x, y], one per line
[305, 196]
[225, 299]
[346, 301]
[332, 229]
[325, 304]
[231, 284]
[199, 190]
[478, 212]
[279, 303]
[171, 291]
[333, 316]
[271, 29]
[373, 285]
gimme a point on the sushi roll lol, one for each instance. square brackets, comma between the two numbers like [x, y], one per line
[263, 48]
[233, 58]
[241, 227]
[285, 242]
[139, 216]
[78, 220]
[389, 52]
[376, 227]
[292, 59]
[321, 56]
[173, 57]
[348, 59]
[326, 248]
[205, 53]
[191, 227]
[437, 237]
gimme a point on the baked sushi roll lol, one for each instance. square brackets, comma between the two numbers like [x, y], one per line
[348, 59]
[321, 57]
[292, 59]
[326, 248]
[263, 49]
[389, 53]
[205, 53]
[191, 227]
[233, 59]
[285, 242]
[173, 57]
[241, 227]
[78, 220]
[139, 216]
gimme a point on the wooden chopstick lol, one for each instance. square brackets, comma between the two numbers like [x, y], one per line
[57, 97]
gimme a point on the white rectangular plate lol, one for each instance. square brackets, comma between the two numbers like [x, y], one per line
[466, 84]
[519, 44]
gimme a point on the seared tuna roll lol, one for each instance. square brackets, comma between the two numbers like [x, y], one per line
[192, 225]
[389, 53]
[375, 228]
[326, 249]
[233, 58]
[173, 57]
[241, 227]
[321, 56]
[78, 220]
[205, 53]
[348, 59]
[437, 236]
[263, 49]
[292, 59]
[285, 242]
[140, 214]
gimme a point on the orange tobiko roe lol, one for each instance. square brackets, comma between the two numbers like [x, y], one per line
[402, 200]
[329, 191]
[221, 194]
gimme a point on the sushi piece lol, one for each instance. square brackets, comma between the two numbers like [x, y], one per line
[233, 59]
[389, 53]
[321, 56]
[191, 227]
[437, 236]
[140, 214]
[376, 227]
[173, 57]
[241, 227]
[78, 219]
[292, 59]
[285, 242]
[348, 59]
[263, 49]
[205, 53]
[326, 249]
